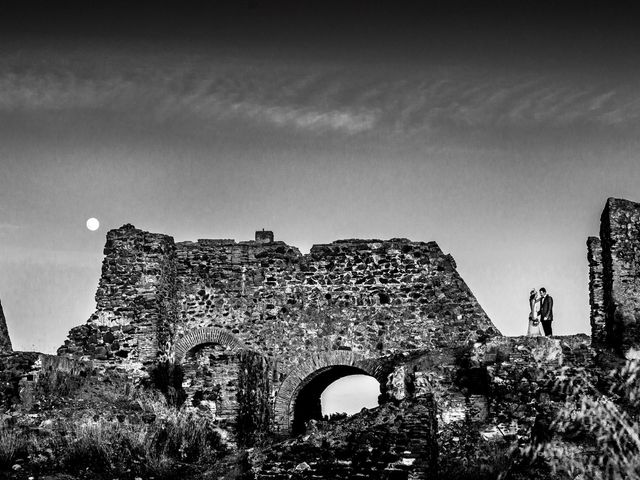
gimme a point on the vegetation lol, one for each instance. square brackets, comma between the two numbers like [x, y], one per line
[167, 377]
[594, 436]
[334, 417]
[254, 388]
[592, 433]
[12, 445]
[161, 442]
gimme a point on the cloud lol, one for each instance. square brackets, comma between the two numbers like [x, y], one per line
[513, 101]
[336, 119]
[318, 98]
[224, 94]
[9, 227]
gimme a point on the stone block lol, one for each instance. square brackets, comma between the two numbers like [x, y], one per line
[5, 341]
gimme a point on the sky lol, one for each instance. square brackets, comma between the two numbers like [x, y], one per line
[497, 130]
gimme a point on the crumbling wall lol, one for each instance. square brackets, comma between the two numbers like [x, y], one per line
[14, 367]
[620, 239]
[135, 302]
[255, 415]
[367, 296]
[596, 291]
[233, 286]
[392, 441]
[485, 398]
[32, 378]
[211, 382]
[488, 395]
[5, 340]
[521, 373]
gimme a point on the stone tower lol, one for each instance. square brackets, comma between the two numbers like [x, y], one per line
[5, 341]
[264, 236]
[614, 268]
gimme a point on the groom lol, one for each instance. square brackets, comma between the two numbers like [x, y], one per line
[546, 311]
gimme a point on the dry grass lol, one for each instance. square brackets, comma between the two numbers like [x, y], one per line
[595, 435]
[12, 444]
[176, 441]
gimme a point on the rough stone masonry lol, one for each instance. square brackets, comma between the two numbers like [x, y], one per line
[316, 317]
[614, 273]
[5, 341]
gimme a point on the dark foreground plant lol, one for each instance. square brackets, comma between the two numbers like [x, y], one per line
[595, 435]
[172, 442]
[12, 445]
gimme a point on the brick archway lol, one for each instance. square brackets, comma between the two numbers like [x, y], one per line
[205, 335]
[310, 369]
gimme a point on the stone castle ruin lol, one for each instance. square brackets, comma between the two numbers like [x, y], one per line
[260, 330]
[315, 318]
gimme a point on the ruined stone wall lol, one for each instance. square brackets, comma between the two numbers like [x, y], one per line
[596, 291]
[238, 287]
[365, 299]
[521, 373]
[370, 297]
[444, 373]
[255, 416]
[485, 397]
[32, 379]
[500, 385]
[14, 367]
[620, 238]
[390, 442]
[5, 341]
[135, 301]
[211, 375]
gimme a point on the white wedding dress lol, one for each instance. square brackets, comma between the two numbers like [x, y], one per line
[534, 330]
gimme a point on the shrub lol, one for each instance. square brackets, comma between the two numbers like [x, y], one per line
[106, 446]
[167, 376]
[173, 441]
[467, 456]
[12, 445]
[186, 437]
[163, 443]
[594, 434]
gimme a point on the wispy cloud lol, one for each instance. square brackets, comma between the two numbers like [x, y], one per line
[230, 93]
[317, 98]
[9, 227]
[336, 119]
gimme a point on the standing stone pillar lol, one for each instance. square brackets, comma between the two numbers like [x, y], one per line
[596, 291]
[620, 237]
[5, 341]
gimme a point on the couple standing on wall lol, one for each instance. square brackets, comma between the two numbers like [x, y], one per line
[541, 314]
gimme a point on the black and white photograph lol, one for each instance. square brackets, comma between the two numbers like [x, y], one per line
[291, 240]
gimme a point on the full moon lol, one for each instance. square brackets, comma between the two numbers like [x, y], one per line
[93, 224]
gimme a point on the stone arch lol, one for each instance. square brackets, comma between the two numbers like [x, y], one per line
[205, 335]
[342, 362]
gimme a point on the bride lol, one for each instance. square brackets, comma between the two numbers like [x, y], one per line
[535, 328]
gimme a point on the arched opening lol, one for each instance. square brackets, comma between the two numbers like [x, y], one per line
[307, 404]
[211, 379]
[349, 395]
[202, 336]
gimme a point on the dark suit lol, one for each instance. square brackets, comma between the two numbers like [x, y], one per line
[546, 314]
